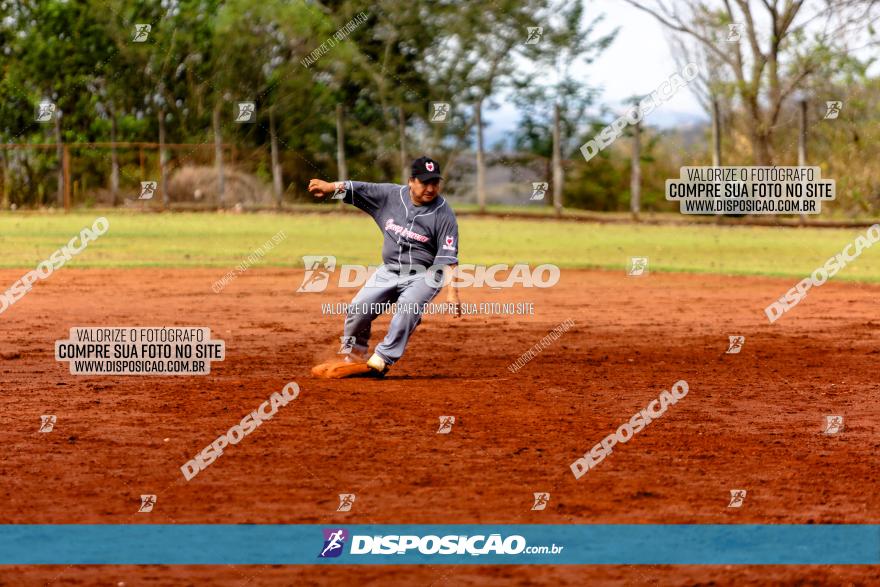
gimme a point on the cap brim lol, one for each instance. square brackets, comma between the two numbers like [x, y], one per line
[428, 176]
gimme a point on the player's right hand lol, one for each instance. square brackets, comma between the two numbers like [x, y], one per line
[320, 188]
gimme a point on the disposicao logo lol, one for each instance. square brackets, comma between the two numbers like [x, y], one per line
[334, 541]
[431, 544]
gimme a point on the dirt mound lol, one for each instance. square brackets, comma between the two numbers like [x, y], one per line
[198, 184]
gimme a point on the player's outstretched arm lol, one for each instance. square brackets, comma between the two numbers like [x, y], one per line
[369, 197]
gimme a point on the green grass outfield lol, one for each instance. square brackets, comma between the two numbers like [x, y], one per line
[225, 240]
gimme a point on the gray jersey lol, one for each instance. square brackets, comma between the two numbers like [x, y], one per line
[412, 235]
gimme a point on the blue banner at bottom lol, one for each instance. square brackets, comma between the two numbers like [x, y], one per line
[405, 544]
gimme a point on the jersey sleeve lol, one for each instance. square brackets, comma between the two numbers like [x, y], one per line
[447, 240]
[369, 197]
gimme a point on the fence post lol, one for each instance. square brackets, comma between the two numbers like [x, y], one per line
[66, 166]
[341, 165]
[802, 139]
[3, 179]
[557, 161]
[716, 133]
[635, 180]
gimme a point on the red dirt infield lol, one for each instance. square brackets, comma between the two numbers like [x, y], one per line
[752, 420]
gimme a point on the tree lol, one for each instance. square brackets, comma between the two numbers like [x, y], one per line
[476, 55]
[774, 46]
[560, 102]
[257, 52]
[53, 54]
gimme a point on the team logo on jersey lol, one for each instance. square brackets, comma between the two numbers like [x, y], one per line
[450, 243]
[318, 270]
[390, 226]
[334, 541]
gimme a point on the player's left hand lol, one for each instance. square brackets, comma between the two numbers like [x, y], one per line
[320, 188]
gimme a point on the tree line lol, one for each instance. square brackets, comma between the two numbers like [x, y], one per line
[353, 89]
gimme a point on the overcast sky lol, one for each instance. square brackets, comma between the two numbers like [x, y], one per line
[637, 62]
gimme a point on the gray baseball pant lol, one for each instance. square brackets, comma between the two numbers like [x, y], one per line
[410, 291]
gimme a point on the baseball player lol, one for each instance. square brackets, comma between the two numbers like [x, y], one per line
[419, 231]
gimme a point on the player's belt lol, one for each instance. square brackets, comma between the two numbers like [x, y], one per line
[395, 269]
